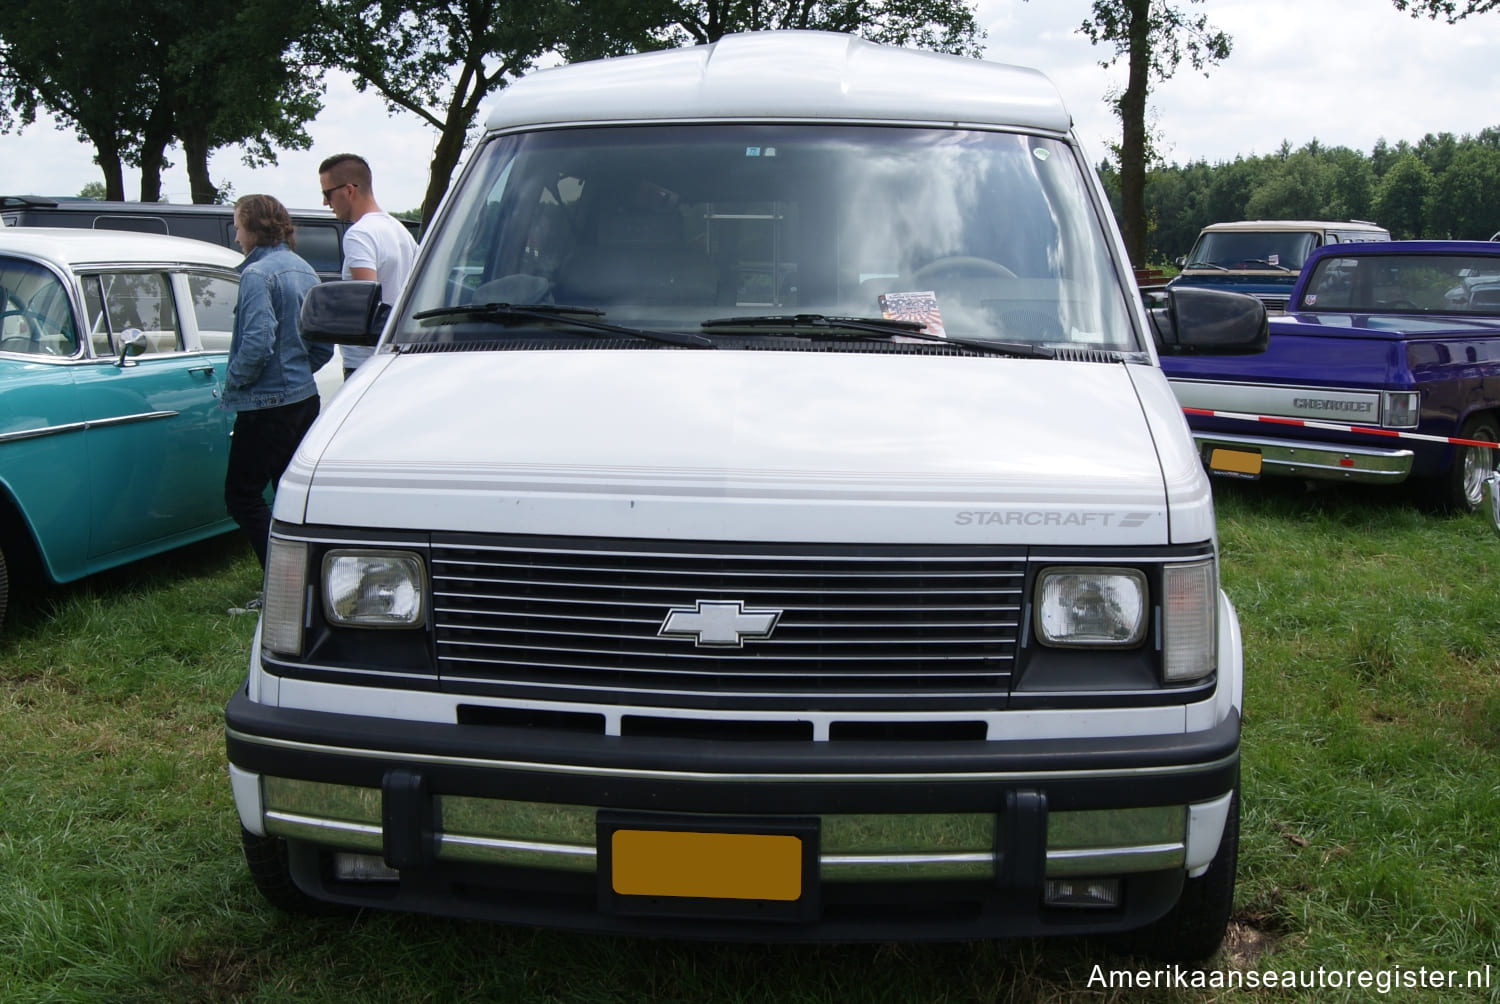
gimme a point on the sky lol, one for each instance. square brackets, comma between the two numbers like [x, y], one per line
[1343, 72]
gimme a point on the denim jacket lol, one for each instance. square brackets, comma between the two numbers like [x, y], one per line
[269, 364]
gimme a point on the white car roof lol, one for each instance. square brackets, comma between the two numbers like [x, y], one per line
[1286, 225]
[75, 247]
[785, 76]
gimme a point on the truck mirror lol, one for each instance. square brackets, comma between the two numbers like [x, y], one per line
[1210, 322]
[343, 312]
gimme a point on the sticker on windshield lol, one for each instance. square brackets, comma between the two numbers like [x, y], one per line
[1040, 153]
[920, 307]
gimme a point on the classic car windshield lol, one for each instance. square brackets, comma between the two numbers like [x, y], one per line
[1404, 283]
[1263, 250]
[979, 235]
[35, 318]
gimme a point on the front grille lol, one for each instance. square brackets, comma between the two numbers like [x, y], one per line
[857, 627]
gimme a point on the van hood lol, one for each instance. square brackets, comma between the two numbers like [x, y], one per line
[830, 447]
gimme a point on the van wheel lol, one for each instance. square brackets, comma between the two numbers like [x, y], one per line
[1194, 928]
[1461, 489]
[270, 870]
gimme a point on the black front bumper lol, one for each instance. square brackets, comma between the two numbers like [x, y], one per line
[411, 764]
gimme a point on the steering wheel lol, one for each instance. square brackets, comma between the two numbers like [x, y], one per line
[962, 263]
[33, 336]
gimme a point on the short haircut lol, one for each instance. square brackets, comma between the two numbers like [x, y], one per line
[266, 218]
[347, 168]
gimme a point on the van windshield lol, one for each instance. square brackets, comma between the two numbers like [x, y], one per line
[978, 235]
[1253, 250]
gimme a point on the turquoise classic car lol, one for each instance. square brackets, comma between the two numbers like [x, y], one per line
[112, 353]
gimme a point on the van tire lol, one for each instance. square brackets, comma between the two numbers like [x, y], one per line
[270, 870]
[1194, 928]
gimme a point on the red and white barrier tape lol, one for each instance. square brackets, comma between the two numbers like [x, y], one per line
[1336, 427]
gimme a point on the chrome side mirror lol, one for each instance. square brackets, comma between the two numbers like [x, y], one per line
[133, 342]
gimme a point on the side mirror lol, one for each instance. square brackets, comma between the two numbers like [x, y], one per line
[133, 342]
[343, 312]
[1198, 321]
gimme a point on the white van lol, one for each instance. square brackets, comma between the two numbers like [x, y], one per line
[763, 518]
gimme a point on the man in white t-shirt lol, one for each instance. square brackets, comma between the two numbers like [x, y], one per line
[376, 246]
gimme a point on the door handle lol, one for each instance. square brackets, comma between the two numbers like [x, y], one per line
[201, 369]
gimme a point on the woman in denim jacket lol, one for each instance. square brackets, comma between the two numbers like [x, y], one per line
[269, 381]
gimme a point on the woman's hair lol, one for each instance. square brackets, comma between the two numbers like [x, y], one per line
[266, 218]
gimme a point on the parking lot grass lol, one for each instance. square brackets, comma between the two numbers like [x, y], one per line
[1371, 803]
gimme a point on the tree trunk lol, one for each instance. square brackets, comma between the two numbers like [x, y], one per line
[107, 156]
[462, 108]
[445, 157]
[1133, 144]
[195, 151]
[154, 142]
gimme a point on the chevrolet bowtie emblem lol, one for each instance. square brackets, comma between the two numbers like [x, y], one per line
[719, 623]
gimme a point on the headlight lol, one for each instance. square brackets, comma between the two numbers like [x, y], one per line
[1400, 409]
[1189, 621]
[1091, 607]
[374, 589]
[281, 615]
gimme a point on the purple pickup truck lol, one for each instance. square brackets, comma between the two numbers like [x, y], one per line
[1388, 352]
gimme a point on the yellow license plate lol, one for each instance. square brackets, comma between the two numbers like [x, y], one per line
[752, 866]
[1241, 462]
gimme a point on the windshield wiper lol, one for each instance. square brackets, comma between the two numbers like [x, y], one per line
[1205, 264]
[822, 326]
[1267, 263]
[580, 318]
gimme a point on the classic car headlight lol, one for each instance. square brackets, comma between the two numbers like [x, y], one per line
[281, 614]
[1400, 409]
[1189, 620]
[374, 589]
[1091, 607]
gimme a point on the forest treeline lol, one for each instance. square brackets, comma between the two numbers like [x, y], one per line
[1443, 186]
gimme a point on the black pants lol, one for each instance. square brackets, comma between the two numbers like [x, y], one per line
[259, 451]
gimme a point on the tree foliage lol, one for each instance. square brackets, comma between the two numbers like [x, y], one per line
[133, 77]
[89, 80]
[440, 59]
[614, 27]
[1442, 187]
[1451, 11]
[237, 79]
[1155, 37]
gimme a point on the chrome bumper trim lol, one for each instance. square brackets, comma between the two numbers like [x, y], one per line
[869, 847]
[1317, 461]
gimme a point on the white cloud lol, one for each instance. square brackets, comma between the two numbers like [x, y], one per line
[1345, 73]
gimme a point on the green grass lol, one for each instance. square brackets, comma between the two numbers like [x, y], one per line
[1371, 802]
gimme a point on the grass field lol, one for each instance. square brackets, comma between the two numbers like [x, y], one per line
[1371, 804]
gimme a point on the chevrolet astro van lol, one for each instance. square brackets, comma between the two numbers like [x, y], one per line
[763, 518]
